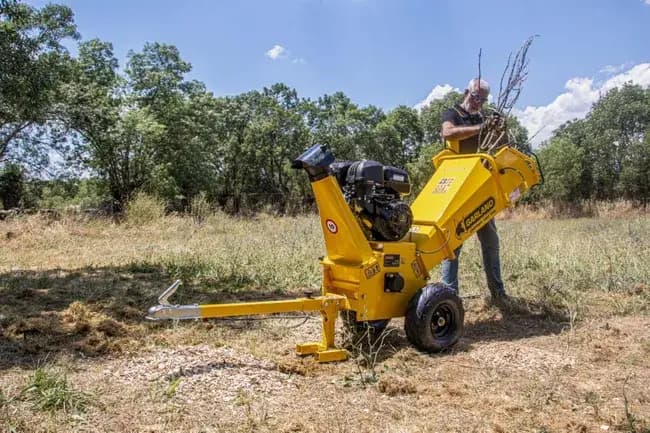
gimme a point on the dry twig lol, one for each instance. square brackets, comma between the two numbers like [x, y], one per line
[510, 85]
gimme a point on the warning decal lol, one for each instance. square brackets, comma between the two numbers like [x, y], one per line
[443, 185]
[331, 226]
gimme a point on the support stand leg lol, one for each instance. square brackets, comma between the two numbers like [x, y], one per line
[326, 351]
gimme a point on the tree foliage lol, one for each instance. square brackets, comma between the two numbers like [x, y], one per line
[147, 127]
[608, 148]
[12, 184]
[33, 68]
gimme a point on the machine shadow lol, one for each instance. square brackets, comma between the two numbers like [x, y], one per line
[93, 310]
[517, 320]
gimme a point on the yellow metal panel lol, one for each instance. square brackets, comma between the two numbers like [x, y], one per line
[518, 173]
[263, 307]
[461, 185]
[307, 348]
[373, 302]
[344, 240]
[453, 145]
[332, 355]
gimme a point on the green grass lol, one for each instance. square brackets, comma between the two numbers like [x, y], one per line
[49, 390]
[593, 266]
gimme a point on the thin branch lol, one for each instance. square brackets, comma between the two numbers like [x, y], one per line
[5, 141]
[510, 85]
[479, 66]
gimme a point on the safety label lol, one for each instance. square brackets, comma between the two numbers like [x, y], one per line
[514, 195]
[416, 269]
[443, 185]
[331, 226]
[371, 271]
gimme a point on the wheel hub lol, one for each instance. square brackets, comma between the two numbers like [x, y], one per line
[442, 322]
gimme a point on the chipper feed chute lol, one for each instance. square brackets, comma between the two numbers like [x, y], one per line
[380, 251]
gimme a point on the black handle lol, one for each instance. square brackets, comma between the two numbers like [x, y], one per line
[539, 166]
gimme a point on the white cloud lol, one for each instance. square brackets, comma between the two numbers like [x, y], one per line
[647, 2]
[438, 92]
[576, 101]
[639, 74]
[277, 52]
[615, 69]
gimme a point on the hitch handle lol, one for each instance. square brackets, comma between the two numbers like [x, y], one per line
[164, 296]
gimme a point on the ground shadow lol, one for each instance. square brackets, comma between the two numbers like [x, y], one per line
[89, 310]
[518, 319]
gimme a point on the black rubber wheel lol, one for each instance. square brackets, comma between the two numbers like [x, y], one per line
[361, 330]
[434, 319]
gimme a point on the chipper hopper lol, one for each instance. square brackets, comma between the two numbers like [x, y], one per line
[380, 250]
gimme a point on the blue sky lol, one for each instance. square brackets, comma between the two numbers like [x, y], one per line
[388, 53]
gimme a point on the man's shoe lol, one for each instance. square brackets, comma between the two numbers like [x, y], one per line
[501, 301]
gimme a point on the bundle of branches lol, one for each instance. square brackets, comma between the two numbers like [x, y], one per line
[494, 132]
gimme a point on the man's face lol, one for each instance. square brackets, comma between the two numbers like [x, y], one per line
[475, 99]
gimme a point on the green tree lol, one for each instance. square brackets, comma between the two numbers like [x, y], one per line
[635, 175]
[116, 137]
[156, 77]
[128, 155]
[258, 134]
[562, 164]
[611, 138]
[409, 133]
[361, 125]
[34, 65]
[431, 116]
[616, 122]
[331, 121]
[12, 183]
[576, 132]
[421, 170]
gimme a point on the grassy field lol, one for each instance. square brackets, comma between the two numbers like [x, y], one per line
[77, 356]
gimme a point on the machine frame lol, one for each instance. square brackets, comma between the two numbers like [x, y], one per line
[382, 280]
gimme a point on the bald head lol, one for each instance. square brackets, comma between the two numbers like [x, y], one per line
[475, 86]
[475, 95]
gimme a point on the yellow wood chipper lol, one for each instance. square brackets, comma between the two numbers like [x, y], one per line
[380, 250]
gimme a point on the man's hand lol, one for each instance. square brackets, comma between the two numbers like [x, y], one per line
[494, 122]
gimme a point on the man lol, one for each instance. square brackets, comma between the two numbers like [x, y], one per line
[461, 126]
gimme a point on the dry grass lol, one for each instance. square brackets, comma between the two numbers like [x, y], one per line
[584, 209]
[571, 355]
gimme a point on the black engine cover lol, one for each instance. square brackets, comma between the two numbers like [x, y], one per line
[392, 221]
[374, 172]
[374, 192]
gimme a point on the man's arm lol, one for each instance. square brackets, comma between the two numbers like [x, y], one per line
[453, 132]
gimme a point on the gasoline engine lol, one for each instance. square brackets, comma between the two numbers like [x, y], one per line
[374, 193]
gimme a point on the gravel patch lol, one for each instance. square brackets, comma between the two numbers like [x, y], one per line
[503, 356]
[212, 373]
